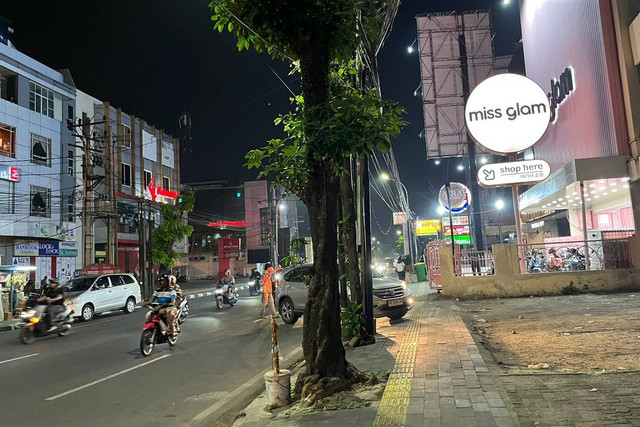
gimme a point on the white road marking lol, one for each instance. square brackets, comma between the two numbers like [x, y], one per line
[209, 293]
[200, 295]
[82, 387]
[191, 296]
[18, 358]
[237, 392]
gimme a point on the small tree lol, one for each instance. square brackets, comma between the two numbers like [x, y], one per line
[400, 244]
[173, 227]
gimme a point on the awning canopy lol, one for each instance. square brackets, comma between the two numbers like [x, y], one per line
[606, 177]
[100, 268]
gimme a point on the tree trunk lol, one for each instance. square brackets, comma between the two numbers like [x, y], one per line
[342, 265]
[327, 369]
[351, 246]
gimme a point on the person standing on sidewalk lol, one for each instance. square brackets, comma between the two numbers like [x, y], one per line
[43, 284]
[400, 268]
[267, 288]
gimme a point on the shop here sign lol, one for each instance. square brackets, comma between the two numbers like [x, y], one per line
[46, 249]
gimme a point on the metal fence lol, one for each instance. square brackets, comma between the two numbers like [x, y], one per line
[474, 263]
[571, 256]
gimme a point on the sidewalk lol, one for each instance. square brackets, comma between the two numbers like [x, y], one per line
[438, 376]
[9, 325]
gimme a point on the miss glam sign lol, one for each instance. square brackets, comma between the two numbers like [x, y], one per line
[507, 113]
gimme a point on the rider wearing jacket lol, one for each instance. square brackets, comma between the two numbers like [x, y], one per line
[166, 296]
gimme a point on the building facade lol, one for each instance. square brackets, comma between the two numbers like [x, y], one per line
[38, 191]
[573, 49]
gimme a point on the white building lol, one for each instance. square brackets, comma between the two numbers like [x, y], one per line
[37, 190]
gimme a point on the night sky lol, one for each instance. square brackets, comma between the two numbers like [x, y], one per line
[154, 58]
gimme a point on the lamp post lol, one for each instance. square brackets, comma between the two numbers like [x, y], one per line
[499, 206]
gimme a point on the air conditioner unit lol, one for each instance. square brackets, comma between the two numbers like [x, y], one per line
[634, 34]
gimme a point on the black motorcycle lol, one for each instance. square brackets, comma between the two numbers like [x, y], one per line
[35, 324]
[255, 288]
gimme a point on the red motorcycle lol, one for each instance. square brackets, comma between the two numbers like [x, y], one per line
[152, 332]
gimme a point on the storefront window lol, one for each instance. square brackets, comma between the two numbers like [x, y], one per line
[7, 141]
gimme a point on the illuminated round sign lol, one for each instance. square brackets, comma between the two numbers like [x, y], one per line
[507, 113]
[458, 198]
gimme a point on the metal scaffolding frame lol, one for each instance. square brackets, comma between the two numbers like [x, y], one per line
[442, 38]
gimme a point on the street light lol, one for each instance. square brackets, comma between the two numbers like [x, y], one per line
[460, 167]
[500, 206]
[398, 232]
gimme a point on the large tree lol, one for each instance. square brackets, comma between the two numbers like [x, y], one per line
[330, 123]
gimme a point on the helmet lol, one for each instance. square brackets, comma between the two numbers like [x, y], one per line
[163, 277]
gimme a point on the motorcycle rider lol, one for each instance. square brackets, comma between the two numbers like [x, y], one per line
[173, 283]
[228, 280]
[54, 296]
[267, 295]
[166, 296]
[255, 276]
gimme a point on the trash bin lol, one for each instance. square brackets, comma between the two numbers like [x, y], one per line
[421, 271]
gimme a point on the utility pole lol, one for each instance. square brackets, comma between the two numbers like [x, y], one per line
[92, 175]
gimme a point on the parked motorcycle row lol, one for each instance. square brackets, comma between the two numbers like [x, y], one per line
[562, 259]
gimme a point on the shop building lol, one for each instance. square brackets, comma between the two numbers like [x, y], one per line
[136, 169]
[37, 187]
[570, 49]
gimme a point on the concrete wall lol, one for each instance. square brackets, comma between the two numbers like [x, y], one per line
[509, 282]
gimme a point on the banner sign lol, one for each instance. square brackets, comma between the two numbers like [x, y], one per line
[9, 173]
[457, 220]
[427, 227]
[524, 172]
[25, 249]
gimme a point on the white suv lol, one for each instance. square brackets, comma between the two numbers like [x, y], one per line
[391, 297]
[89, 295]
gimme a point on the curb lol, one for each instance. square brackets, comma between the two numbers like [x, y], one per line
[244, 395]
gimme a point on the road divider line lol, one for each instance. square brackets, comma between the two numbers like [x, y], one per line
[18, 358]
[82, 387]
[238, 391]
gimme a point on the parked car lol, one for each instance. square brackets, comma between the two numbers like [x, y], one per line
[391, 297]
[90, 295]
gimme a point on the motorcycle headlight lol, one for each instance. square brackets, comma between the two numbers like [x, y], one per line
[218, 292]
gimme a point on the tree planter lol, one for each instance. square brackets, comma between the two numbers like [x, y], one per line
[278, 388]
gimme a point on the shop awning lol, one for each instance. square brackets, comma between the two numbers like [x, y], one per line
[606, 177]
[100, 268]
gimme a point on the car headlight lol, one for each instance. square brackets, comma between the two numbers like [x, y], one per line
[72, 301]
[404, 285]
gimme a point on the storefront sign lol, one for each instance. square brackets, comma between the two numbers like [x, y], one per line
[25, 249]
[9, 173]
[399, 218]
[525, 172]
[461, 234]
[48, 249]
[457, 220]
[457, 199]
[69, 249]
[228, 224]
[560, 89]
[507, 113]
[427, 227]
[537, 224]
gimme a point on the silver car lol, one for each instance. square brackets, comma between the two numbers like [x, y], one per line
[391, 297]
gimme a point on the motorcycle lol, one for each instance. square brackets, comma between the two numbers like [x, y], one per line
[183, 310]
[255, 288]
[35, 325]
[222, 295]
[152, 333]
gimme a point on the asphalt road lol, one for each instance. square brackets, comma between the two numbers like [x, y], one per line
[96, 375]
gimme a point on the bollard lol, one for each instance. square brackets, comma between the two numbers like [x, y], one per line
[277, 382]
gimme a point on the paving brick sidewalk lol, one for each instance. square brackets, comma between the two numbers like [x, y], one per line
[438, 376]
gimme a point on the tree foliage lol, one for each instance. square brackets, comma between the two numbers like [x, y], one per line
[173, 227]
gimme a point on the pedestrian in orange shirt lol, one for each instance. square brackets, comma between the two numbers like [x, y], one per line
[267, 288]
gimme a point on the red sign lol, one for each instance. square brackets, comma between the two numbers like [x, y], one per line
[154, 191]
[9, 173]
[228, 224]
[166, 193]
